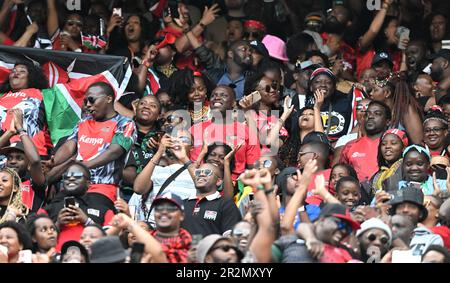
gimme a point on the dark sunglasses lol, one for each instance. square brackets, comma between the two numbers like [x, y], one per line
[171, 119]
[383, 239]
[273, 85]
[72, 22]
[77, 175]
[168, 207]
[91, 99]
[225, 248]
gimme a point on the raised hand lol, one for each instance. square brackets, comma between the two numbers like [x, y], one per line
[319, 97]
[287, 107]
[17, 116]
[250, 178]
[320, 186]
[232, 153]
[210, 14]
[122, 206]
[114, 21]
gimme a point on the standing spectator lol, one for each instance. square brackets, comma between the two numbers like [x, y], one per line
[362, 153]
[100, 142]
[175, 241]
[416, 57]
[16, 238]
[206, 211]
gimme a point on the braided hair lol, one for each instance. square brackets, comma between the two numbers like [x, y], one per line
[15, 199]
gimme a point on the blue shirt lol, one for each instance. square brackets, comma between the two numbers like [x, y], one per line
[239, 83]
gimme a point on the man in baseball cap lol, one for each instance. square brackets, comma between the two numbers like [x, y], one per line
[259, 52]
[383, 65]
[216, 248]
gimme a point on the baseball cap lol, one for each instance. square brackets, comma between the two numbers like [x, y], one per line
[108, 250]
[443, 53]
[339, 211]
[13, 147]
[382, 56]
[281, 179]
[205, 245]
[374, 223]
[412, 195]
[259, 47]
[173, 198]
[67, 245]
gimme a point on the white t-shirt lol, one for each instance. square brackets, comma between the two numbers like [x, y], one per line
[183, 186]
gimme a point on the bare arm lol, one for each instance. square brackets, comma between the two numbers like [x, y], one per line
[113, 152]
[52, 17]
[228, 188]
[323, 192]
[413, 125]
[65, 152]
[27, 35]
[318, 98]
[366, 40]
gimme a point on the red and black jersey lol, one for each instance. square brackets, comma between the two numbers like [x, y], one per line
[30, 102]
[33, 196]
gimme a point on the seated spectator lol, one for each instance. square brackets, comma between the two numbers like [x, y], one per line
[14, 237]
[435, 130]
[43, 232]
[91, 233]
[11, 204]
[207, 212]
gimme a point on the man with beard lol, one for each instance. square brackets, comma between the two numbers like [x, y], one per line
[440, 71]
[362, 153]
[416, 58]
[85, 209]
[207, 212]
[233, 71]
[23, 157]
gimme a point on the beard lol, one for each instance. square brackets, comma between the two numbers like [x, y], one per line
[436, 75]
[333, 26]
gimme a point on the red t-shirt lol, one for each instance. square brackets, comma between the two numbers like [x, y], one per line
[32, 196]
[444, 232]
[30, 102]
[94, 138]
[364, 60]
[361, 154]
[232, 135]
[315, 199]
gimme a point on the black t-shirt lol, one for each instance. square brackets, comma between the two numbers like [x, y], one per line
[214, 216]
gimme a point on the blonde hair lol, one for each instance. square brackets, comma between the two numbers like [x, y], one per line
[15, 199]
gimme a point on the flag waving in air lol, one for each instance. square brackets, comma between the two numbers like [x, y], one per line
[69, 75]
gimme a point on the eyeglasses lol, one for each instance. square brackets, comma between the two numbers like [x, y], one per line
[206, 172]
[273, 85]
[92, 99]
[73, 22]
[76, 175]
[225, 248]
[434, 130]
[168, 207]
[383, 239]
[171, 119]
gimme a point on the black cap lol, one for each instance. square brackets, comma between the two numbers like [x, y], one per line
[259, 47]
[443, 53]
[281, 179]
[13, 147]
[412, 195]
[108, 250]
[65, 247]
[382, 56]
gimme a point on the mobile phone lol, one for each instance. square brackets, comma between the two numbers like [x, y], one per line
[117, 11]
[404, 257]
[402, 33]
[250, 99]
[3, 249]
[196, 238]
[251, 196]
[25, 256]
[415, 185]
[132, 209]
[445, 44]
[69, 201]
[136, 253]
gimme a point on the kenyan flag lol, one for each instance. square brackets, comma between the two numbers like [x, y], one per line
[93, 42]
[69, 75]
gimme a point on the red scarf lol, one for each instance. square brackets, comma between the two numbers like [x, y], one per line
[176, 248]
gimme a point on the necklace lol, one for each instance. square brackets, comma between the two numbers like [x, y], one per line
[199, 115]
[167, 70]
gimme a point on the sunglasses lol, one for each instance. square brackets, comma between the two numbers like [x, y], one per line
[206, 172]
[171, 119]
[77, 175]
[168, 207]
[252, 34]
[273, 85]
[225, 248]
[240, 233]
[265, 164]
[92, 100]
[383, 239]
[72, 22]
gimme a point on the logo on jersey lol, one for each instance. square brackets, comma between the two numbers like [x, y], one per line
[93, 141]
[337, 122]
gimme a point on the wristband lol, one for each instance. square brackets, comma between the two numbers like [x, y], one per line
[260, 188]
[202, 25]
[268, 192]
[146, 63]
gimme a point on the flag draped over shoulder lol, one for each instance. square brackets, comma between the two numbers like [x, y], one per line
[69, 75]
